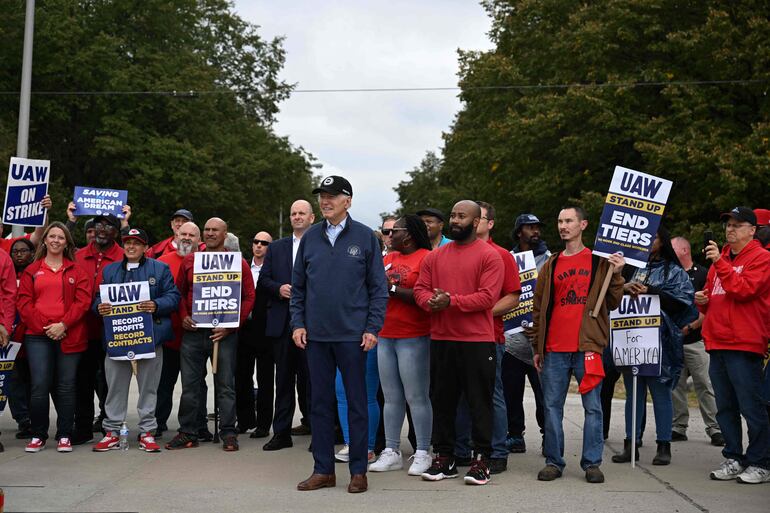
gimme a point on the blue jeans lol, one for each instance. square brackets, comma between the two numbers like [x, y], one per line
[737, 380]
[52, 372]
[662, 405]
[557, 370]
[404, 366]
[499, 413]
[372, 384]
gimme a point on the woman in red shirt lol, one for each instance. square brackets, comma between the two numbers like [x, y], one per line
[54, 296]
[403, 350]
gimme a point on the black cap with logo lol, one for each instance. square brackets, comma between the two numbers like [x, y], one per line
[334, 185]
[108, 219]
[741, 214]
[134, 233]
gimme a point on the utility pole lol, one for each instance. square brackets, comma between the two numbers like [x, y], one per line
[22, 144]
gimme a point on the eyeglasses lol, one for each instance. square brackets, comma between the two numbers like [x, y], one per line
[20, 251]
[100, 226]
[735, 226]
[260, 242]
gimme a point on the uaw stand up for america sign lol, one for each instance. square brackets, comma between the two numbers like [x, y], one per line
[27, 184]
[7, 363]
[216, 290]
[520, 317]
[127, 331]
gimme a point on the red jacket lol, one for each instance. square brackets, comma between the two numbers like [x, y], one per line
[165, 247]
[7, 291]
[738, 310]
[184, 282]
[93, 263]
[77, 301]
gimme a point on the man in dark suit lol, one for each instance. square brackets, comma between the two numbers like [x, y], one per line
[290, 361]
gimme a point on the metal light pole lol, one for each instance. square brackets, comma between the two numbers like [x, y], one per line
[22, 144]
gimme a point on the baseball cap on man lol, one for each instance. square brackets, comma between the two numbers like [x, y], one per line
[744, 214]
[525, 219]
[183, 212]
[430, 211]
[134, 233]
[763, 216]
[109, 219]
[334, 185]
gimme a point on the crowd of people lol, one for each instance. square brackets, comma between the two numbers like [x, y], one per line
[362, 329]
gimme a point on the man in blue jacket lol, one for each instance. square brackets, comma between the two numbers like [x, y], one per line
[164, 300]
[337, 306]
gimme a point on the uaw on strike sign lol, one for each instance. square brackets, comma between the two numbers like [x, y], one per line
[27, 184]
[216, 289]
[631, 215]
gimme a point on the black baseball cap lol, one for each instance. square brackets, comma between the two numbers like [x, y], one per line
[430, 211]
[334, 185]
[134, 233]
[183, 212]
[741, 214]
[109, 219]
[525, 219]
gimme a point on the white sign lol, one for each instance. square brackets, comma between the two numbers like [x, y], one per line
[635, 333]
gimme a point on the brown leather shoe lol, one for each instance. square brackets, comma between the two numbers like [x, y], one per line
[317, 481]
[358, 483]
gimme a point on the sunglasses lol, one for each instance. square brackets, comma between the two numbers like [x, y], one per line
[389, 231]
[261, 242]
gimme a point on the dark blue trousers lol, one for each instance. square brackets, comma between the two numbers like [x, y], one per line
[323, 359]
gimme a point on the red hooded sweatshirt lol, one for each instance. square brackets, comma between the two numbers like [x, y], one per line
[738, 310]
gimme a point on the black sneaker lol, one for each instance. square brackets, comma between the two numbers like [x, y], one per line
[717, 439]
[182, 441]
[478, 474]
[443, 467]
[204, 435]
[678, 437]
[24, 432]
[230, 443]
[498, 465]
[463, 461]
[97, 426]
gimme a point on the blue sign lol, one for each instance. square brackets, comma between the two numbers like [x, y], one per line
[90, 201]
[27, 184]
[216, 300]
[635, 334]
[520, 317]
[127, 330]
[631, 215]
[7, 363]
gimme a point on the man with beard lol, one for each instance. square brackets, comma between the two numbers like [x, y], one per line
[167, 246]
[93, 258]
[188, 241]
[459, 284]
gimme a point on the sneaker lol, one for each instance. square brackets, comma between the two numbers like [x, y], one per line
[754, 475]
[182, 441]
[147, 443]
[35, 445]
[204, 435]
[64, 445]
[442, 467]
[497, 465]
[420, 463]
[110, 441]
[516, 444]
[230, 443]
[371, 457]
[729, 469]
[388, 460]
[549, 473]
[678, 437]
[718, 440]
[478, 474]
[594, 474]
[343, 456]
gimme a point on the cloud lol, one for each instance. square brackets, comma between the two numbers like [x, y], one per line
[372, 138]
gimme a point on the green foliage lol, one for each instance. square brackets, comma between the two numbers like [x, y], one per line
[535, 149]
[213, 153]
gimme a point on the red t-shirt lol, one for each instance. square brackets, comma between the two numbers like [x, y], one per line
[571, 280]
[49, 294]
[402, 319]
[511, 284]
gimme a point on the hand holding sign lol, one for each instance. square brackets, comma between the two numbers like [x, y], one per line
[27, 186]
[104, 309]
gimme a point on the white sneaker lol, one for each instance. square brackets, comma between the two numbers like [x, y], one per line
[729, 469]
[420, 463]
[754, 475]
[388, 460]
[343, 456]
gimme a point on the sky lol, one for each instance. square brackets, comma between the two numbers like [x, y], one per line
[370, 138]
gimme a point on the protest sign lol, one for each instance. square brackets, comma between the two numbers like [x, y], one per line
[27, 184]
[631, 216]
[517, 319]
[635, 334]
[216, 290]
[90, 201]
[127, 331]
[7, 364]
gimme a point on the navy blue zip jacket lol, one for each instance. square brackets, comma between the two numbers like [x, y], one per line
[162, 290]
[338, 292]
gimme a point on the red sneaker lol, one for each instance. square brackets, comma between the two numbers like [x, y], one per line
[35, 445]
[64, 445]
[147, 443]
[110, 441]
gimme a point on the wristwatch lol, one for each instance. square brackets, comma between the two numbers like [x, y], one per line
[392, 289]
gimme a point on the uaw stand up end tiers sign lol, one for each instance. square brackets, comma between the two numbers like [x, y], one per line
[216, 289]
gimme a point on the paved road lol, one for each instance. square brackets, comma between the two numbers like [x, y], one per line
[207, 479]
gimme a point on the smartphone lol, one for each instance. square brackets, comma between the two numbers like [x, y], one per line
[708, 236]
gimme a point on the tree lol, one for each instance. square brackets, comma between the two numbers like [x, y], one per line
[674, 88]
[212, 151]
